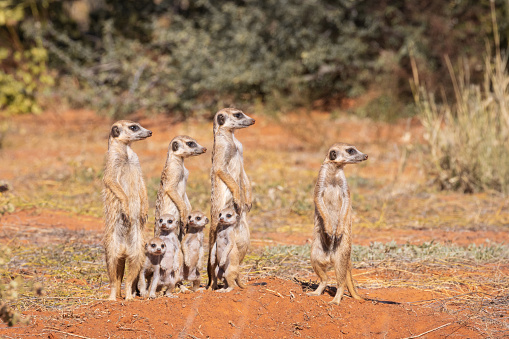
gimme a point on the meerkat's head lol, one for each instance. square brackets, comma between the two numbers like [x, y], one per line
[197, 220]
[231, 119]
[155, 246]
[184, 146]
[342, 154]
[228, 216]
[167, 223]
[127, 131]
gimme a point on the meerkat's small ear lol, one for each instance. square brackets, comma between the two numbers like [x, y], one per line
[206, 220]
[146, 245]
[175, 146]
[220, 119]
[332, 155]
[115, 131]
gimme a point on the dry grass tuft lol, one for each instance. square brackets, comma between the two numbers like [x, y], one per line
[469, 139]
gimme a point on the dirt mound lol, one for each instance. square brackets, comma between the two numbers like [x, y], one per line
[267, 308]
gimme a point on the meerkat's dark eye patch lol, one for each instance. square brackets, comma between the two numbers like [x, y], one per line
[189, 218]
[153, 245]
[160, 220]
[175, 146]
[220, 215]
[191, 144]
[333, 155]
[228, 215]
[198, 218]
[238, 115]
[170, 221]
[134, 128]
[115, 131]
[163, 245]
[351, 151]
[221, 119]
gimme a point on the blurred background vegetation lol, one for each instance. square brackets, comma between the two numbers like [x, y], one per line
[178, 57]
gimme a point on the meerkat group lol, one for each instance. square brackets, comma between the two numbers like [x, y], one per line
[175, 253]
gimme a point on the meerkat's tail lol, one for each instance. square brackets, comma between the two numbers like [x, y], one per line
[239, 282]
[350, 285]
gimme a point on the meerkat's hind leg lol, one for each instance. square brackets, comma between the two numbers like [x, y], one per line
[339, 295]
[322, 274]
[169, 291]
[132, 275]
[196, 285]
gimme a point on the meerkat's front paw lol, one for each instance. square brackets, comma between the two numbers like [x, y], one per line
[152, 296]
[143, 294]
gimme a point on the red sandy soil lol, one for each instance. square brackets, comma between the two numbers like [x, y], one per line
[267, 308]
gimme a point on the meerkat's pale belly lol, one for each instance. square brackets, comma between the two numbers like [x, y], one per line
[333, 202]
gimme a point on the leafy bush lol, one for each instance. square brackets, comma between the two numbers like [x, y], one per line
[161, 56]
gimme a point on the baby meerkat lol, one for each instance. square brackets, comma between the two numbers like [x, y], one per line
[230, 184]
[155, 248]
[125, 207]
[171, 196]
[332, 233]
[192, 247]
[225, 255]
[172, 261]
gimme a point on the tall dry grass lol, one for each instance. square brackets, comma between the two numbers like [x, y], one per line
[468, 139]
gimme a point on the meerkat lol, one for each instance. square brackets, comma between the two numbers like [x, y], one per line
[171, 196]
[155, 248]
[125, 207]
[230, 184]
[332, 233]
[172, 261]
[192, 248]
[225, 255]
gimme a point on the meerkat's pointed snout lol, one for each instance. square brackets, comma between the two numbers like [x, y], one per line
[365, 157]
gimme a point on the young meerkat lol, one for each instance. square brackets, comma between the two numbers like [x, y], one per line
[225, 255]
[171, 196]
[332, 233]
[172, 261]
[230, 184]
[192, 248]
[155, 248]
[125, 207]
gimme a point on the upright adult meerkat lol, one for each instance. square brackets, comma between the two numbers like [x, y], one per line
[192, 247]
[230, 184]
[225, 255]
[332, 234]
[171, 264]
[151, 268]
[125, 207]
[171, 196]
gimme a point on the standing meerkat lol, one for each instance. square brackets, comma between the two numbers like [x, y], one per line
[230, 184]
[332, 233]
[225, 255]
[125, 207]
[171, 196]
[192, 247]
[151, 268]
[171, 263]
